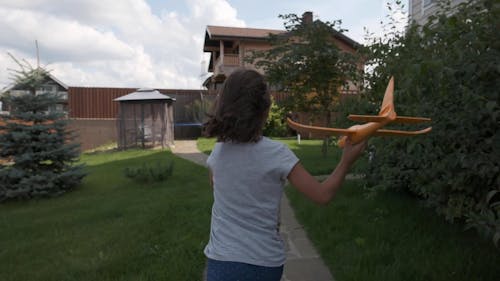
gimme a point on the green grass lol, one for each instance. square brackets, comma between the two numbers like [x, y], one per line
[392, 237]
[205, 145]
[111, 228]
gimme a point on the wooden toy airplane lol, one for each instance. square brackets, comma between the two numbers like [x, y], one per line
[358, 133]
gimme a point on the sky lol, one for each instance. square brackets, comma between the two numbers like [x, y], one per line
[149, 43]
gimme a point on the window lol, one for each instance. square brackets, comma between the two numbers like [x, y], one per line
[428, 2]
[63, 95]
[427, 5]
[218, 86]
[55, 108]
[46, 89]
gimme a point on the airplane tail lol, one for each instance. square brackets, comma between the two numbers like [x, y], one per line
[388, 102]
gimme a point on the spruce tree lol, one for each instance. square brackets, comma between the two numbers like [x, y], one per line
[35, 144]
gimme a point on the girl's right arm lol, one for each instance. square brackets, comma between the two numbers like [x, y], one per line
[323, 192]
[211, 178]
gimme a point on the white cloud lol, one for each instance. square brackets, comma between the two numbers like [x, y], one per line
[60, 39]
[7, 65]
[112, 43]
[215, 12]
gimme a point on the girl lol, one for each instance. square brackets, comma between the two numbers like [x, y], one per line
[247, 173]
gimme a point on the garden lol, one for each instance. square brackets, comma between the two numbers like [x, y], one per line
[115, 228]
[425, 208]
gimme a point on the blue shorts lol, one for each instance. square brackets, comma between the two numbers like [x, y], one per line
[233, 271]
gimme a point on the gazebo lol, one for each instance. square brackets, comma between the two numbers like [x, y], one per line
[145, 119]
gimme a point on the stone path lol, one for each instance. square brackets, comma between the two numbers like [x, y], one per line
[303, 262]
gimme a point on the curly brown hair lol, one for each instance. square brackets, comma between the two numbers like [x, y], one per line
[240, 109]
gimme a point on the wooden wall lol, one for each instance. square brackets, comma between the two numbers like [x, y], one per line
[84, 102]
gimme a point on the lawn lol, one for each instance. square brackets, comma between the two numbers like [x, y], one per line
[385, 236]
[391, 236]
[111, 228]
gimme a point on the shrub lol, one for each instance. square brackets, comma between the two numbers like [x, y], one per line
[447, 70]
[276, 125]
[150, 173]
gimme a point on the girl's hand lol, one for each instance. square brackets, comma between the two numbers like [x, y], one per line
[351, 152]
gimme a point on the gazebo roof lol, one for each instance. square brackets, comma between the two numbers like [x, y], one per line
[144, 94]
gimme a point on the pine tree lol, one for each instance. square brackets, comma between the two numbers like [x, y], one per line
[36, 142]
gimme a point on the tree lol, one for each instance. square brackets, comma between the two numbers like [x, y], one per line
[35, 141]
[307, 65]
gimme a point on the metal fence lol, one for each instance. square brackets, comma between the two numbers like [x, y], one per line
[190, 112]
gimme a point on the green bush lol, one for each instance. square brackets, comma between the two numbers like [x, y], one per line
[150, 173]
[448, 70]
[276, 125]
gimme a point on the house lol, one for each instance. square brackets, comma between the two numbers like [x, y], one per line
[50, 85]
[228, 47]
[421, 10]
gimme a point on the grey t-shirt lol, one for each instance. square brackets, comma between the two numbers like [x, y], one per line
[248, 185]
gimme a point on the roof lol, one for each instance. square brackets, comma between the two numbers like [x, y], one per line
[12, 86]
[144, 94]
[215, 33]
[240, 32]
[58, 81]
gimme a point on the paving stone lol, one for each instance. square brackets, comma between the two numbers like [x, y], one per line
[312, 269]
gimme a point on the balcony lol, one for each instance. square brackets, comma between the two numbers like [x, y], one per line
[226, 65]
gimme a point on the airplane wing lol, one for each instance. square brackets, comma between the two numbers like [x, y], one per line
[342, 140]
[324, 131]
[348, 132]
[401, 133]
[378, 118]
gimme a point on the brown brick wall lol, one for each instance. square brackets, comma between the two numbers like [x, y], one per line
[92, 133]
